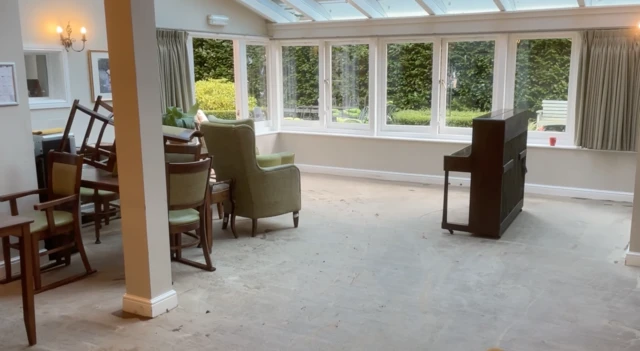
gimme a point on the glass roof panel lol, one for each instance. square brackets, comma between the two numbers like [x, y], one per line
[544, 4]
[468, 6]
[402, 8]
[341, 10]
[614, 2]
[291, 10]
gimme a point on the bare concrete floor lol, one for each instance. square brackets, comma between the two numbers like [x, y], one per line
[368, 269]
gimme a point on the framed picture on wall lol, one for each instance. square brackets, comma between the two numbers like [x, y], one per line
[8, 85]
[100, 75]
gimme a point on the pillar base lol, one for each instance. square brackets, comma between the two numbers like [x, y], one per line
[150, 308]
[632, 259]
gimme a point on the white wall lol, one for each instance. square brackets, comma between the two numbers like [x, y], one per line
[555, 167]
[192, 15]
[39, 19]
[17, 164]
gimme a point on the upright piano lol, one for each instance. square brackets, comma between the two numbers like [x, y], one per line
[496, 160]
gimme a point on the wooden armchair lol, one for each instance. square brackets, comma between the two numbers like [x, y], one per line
[58, 217]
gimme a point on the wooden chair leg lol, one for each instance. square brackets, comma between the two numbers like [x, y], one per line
[105, 211]
[6, 254]
[37, 282]
[77, 235]
[225, 221]
[178, 246]
[220, 210]
[296, 218]
[97, 218]
[204, 242]
[172, 244]
[67, 256]
[254, 227]
[26, 266]
[233, 225]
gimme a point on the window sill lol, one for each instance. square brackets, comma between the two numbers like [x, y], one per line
[48, 104]
[444, 139]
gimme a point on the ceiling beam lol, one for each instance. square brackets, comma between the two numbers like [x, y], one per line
[369, 8]
[433, 7]
[269, 10]
[311, 9]
[505, 5]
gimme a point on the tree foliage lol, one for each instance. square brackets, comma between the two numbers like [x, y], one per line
[542, 73]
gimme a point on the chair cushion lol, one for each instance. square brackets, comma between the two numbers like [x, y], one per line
[219, 188]
[180, 217]
[39, 224]
[88, 192]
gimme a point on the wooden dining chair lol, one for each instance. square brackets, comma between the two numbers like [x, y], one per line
[187, 191]
[99, 155]
[57, 217]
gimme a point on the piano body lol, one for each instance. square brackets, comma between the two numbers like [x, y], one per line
[496, 160]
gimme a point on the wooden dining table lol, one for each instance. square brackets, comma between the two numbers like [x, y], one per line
[19, 227]
[98, 179]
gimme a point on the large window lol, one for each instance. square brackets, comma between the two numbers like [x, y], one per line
[408, 79]
[257, 82]
[469, 81]
[301, 83]
[350, 83]
[215, 87]
[542, 81]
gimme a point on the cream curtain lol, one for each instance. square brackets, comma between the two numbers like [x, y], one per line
[175, 85]
[608, 103]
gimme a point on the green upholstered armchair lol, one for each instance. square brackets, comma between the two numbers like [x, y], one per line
[268, 160]
[258, 192]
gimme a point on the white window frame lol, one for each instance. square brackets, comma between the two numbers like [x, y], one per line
[328, 85]
[497, 99]
[565, 138]
[430, 131]
[267, 125]
[239, 74]
[58, 79]
[303, 125]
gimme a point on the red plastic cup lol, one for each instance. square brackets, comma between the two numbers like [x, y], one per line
[552, 141]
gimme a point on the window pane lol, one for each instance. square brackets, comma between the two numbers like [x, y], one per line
[409, 76]
[350, 83]
[257, 81]
[300, 82]
[37, 75]
[542, 81]
[469, 81]
[213, 67]
[469, 6]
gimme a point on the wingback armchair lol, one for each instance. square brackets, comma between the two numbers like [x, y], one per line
[258, 192]
[266, 160]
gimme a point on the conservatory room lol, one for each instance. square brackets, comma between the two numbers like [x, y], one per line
[324, 174]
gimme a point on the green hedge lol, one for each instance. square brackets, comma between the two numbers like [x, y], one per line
[423, 118]
[229, 114]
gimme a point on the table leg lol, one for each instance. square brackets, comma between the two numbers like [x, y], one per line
[6, 253]
[26, 270]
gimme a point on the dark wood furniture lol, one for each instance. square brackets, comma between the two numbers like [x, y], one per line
[99, 179]
[188, 209]
[19, 227]
[56, 218]
[220, 193]
[496, 160]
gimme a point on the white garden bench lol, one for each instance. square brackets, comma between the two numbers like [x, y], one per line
[554, 112]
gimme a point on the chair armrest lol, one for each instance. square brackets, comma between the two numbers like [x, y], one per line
[276, 190]
[14, 196]
[52, 203]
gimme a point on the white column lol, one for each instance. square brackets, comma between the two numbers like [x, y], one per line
[133, 55]
[633, 254]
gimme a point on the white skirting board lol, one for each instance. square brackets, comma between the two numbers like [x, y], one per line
[458, 181]
[632, 259]
[150, 308]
